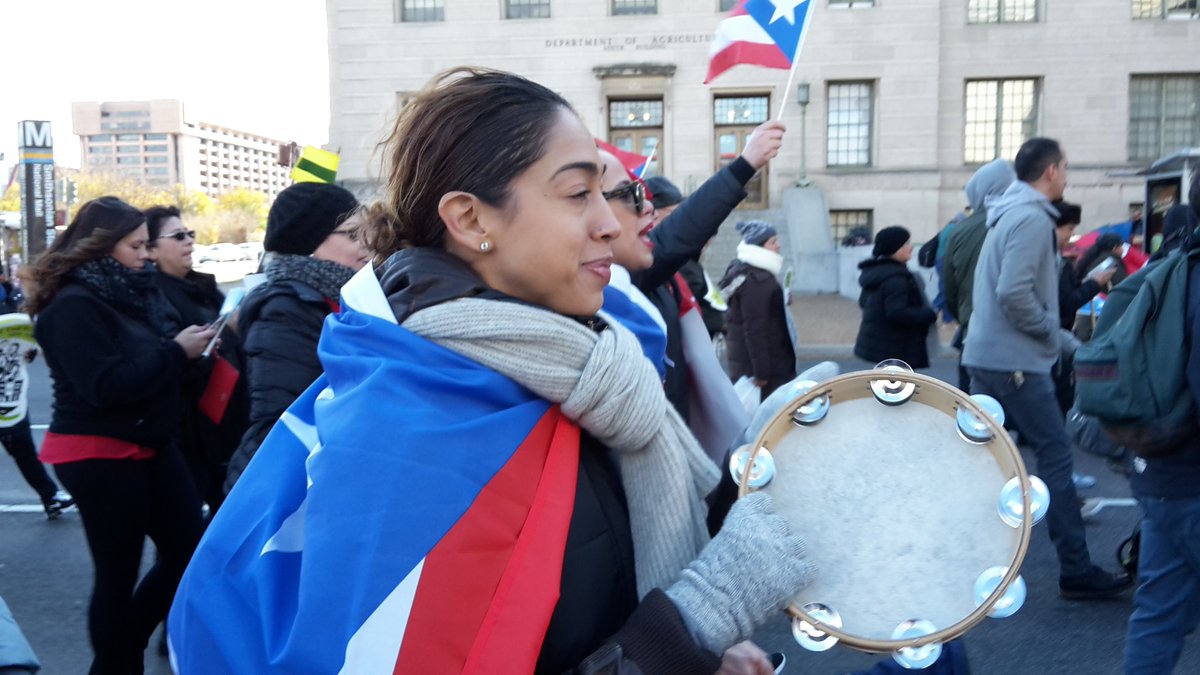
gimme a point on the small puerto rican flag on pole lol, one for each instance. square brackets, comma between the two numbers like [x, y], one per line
[765, 33]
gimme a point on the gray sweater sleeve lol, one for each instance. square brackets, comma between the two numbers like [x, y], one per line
[1025, 252]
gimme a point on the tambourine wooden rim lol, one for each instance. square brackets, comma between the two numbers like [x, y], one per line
[943, 397]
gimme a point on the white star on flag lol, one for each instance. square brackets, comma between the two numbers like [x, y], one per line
[786, 9]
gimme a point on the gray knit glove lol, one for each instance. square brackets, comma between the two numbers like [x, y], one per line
[751, 569]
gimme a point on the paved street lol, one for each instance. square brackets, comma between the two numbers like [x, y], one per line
[45, 576]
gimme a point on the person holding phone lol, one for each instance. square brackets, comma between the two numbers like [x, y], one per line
[206, 443]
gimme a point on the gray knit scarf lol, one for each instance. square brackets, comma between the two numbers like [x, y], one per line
[607, 386]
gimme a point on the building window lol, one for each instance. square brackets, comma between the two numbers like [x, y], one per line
[1001, 11]
[629, 114]
[156, 159]
[637, 126]
[417, 11]
[849, 124]
[156, 148]
[156, 171]
[740, 110]
[843, 4]
[634, 7]
[1166, 9]
[527, 9]
[1164, 114]
[100, 149]
[129, 160]
[156, 137]
[734, 119]
[129, 137]
[725, 5]
[852, 227]
[100, 138]
[1000, 116]
[128, 148]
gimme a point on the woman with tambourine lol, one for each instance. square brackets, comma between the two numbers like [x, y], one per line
[488, 472]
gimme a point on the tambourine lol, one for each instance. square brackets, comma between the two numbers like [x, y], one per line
[915, 503]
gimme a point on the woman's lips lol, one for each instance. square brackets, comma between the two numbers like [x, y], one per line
[601, 267]
[644, 235]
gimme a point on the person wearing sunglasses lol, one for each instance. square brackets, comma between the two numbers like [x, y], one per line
[654, 251]
[313, 246]
[206, 444]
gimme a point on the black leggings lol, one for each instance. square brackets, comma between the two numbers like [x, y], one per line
[18, 441]
[122, 501]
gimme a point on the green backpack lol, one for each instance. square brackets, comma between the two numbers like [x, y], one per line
[1132, 375]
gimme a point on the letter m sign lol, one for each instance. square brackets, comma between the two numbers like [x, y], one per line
[34, 134]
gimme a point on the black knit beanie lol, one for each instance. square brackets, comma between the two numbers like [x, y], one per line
[304, 214]
[663, 192]
[889, 240]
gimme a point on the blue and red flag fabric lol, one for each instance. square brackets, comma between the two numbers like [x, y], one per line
[634, 163]
[766, 33]
[408, 514]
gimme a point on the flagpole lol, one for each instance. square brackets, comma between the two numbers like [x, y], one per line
[788, 89]
[646, 166]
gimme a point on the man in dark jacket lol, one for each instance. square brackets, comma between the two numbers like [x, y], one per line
[895, 315]
[1168, 487]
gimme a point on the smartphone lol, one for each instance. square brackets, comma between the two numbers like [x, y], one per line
[1108, 264]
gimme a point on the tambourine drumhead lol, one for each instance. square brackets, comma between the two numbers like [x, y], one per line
[900, 512]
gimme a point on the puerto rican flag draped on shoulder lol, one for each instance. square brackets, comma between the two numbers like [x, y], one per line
[766, 33]
[634, 163]
[408, 514]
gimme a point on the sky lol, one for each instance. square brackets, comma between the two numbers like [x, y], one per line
[254, 65]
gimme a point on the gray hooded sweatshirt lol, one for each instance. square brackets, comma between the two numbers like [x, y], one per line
[1014, 325]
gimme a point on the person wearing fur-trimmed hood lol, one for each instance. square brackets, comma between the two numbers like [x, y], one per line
[759, 343]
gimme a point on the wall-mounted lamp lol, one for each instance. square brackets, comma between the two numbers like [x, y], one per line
[802, 97]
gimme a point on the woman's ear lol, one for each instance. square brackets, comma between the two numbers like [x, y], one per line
[461, 214]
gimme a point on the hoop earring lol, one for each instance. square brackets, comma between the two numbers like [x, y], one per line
[485, 246]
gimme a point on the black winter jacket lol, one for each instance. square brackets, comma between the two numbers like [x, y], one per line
[198, 301]
[598, 625]
[1072, 293]
[678, 239]
[280, 324]
[114, 376]
[757, 339]
[895, 314]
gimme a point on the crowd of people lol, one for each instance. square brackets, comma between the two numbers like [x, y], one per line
[460, 425]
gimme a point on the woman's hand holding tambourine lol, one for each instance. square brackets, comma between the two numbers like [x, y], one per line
[749, 571]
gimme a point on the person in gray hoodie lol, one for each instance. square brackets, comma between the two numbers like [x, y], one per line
[962, 249]
[1015, 339]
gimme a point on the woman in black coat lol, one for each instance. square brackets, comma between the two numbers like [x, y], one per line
[896, 316]
[206, 442]
[313, 246]
[116, 359]
[758, 341]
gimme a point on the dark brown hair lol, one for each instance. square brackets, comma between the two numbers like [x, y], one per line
[469, 129]
[92, 234]
[156, 217]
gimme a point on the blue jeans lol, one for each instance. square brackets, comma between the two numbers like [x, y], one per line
[1033, 409]
[1166, 606]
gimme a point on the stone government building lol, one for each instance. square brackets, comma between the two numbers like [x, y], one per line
[906, 98]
